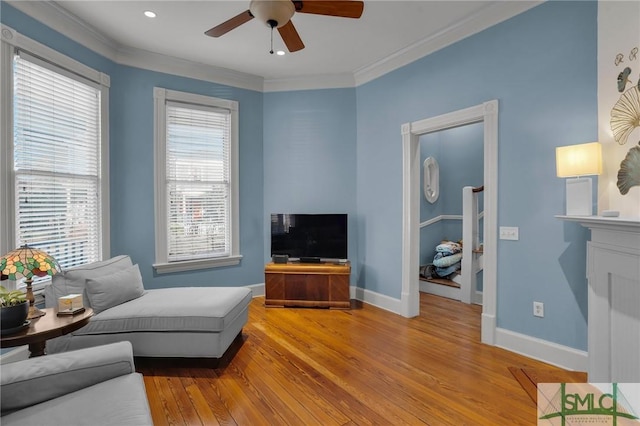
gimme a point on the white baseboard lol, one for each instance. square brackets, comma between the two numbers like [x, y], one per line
[376, 299]
[542, 350]
[257, 289]
[488, 329]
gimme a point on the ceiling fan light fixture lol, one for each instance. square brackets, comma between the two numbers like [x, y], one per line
[269, 11]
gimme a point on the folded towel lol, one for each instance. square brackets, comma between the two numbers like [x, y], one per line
[449, 247]
[443, 261]
[445, 272]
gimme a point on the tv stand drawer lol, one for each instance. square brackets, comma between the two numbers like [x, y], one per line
[307, 285]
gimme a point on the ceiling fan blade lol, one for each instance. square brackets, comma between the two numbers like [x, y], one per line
[291, 37]
[344, 9]
[230, 24]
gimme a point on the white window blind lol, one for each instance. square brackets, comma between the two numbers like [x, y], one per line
[57, 145]
[198, 181]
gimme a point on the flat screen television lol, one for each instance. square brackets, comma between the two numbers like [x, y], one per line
[309, 237]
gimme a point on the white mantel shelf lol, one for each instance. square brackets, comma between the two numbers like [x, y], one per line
[613, 273]
[628, 224]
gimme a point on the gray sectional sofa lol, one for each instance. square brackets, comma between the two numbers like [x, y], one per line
[94, 386]
[188, 322]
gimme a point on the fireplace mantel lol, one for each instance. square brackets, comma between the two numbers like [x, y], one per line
[613, 274]
[625, 224]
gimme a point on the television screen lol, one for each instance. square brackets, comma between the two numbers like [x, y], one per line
[309, 236]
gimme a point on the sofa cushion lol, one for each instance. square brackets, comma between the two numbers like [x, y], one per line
[120, 401]
[107, 291]
[73, 281]
[188, 309]
[29, 382]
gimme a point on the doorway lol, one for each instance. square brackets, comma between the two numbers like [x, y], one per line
[450, 260]
[486, 113]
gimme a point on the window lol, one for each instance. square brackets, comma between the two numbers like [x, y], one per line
[196, 181]
[54, 198]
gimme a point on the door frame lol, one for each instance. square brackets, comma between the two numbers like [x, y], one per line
[486, 113]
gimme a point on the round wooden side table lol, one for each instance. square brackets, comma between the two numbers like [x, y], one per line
[44, 328]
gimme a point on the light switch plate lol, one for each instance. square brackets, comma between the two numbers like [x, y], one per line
[509, 233]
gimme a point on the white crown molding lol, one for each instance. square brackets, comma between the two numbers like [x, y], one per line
[58, 19]
[171, 65]
[313, 82]
[69, 25]
[483, 19]
[53, 16]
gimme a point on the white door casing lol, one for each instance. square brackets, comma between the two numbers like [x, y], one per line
[486, 113]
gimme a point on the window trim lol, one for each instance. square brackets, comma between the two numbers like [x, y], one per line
[160, 98]
[11, 40]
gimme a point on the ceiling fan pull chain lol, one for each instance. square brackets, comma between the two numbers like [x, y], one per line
[271, 51]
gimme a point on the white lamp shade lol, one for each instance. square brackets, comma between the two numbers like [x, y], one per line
[279, 11]
[579, 160]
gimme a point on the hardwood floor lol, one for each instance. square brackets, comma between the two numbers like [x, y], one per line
[361, 366]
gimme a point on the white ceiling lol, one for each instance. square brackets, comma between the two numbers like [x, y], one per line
[334, 46]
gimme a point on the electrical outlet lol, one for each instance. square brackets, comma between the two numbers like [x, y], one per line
[538, 309]
[509, 233]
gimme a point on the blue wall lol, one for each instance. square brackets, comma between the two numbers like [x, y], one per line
[131, 180]
[541, 66]
[459, 153]
[131, 161]
[310, 157]
[340, 150]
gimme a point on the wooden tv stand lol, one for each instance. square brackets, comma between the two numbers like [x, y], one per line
[307, 285]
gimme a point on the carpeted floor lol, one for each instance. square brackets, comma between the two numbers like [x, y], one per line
[529, 378]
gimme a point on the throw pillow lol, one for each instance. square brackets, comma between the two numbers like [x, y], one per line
[74, 280]
[110, 290]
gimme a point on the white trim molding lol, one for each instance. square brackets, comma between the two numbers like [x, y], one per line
[613, 279]
[311, 82]
[483, 19]
[11, 40]
[542, 350]
[190, 265]
[7, 190]
[376, 299]
[160, 98]
[57, 18]
[257, 290]
[486, 113]
[445, 217]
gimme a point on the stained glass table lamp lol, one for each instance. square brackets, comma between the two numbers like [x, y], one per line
[28, 262]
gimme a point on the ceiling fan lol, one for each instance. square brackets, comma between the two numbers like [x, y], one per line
[278, 13]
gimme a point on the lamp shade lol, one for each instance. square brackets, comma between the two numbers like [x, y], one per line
[27, 262]
[272, 12]
[579, 160]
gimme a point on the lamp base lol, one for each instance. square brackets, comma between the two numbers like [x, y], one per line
[34, 312]
[579, 197]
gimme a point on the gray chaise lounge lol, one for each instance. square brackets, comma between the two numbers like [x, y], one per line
[189, 322]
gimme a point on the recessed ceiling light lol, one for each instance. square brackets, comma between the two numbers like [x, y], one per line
[149, 14]
[280, 52]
